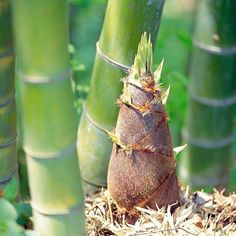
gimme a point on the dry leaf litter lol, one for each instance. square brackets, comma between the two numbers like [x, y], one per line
[199, 213]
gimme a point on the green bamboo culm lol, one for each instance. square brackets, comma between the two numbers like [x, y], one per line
[21, 158]
[212, 95]
[8, 133]
[124, 23]
[48, 116]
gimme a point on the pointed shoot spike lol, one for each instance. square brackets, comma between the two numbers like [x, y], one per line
[126, 96]
[165, 96]
[115, 139]
[143, 58]
[112, 136]
[157, 73]
[179, 149]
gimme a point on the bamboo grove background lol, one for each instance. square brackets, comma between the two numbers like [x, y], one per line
[189, 69]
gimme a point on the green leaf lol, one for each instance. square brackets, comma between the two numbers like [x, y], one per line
[157, 72]
[179, 149]
[12, 229]
[71, 48]
[10, 191]
[116, 140]
[7, 211]
[185, 37]
[24, 211]
[76, 66]
[142, 62]
[8, 216]
[165, 96]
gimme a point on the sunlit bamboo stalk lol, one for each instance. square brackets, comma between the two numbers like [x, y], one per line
[48, 115]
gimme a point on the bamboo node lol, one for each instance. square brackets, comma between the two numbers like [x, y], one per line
[221, 51]
[208, 143]
[57, 212]
[41, 79]
[140, 146]
[50, 155]
[201, 181]
[8, 178]
[92, 121]
[9, 143]
[7, 53]
[7, 101]
[223, 102]
[112, 62]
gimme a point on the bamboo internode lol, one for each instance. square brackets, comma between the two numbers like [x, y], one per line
[8, 134]
[48, 115]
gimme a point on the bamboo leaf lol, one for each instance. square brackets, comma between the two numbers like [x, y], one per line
[24, 211]
[7, 211]
[10, 191]
[157, 72]
[112, 136]
[165, 96]
[179, 149]
[116, 140]
[143, 60]
[126, 96]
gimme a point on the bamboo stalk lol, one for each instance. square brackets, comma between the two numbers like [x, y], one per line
[124, 23]
[48, 116]
[212, 91]
[8, 157]
[21, 157]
